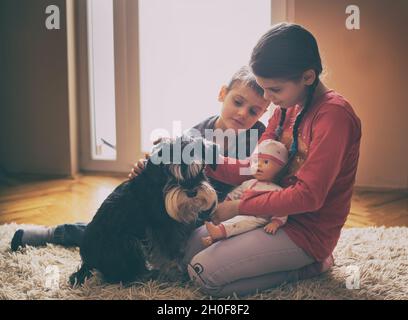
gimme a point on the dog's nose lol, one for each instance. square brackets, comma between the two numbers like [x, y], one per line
[191, 193]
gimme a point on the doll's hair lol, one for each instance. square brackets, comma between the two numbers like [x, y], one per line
[245, 77]
[285, 52]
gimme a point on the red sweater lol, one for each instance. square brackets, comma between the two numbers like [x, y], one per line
[317, 191]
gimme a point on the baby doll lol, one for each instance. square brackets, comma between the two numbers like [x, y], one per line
[267, 160]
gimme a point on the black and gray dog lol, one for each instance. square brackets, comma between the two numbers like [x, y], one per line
[141, 229]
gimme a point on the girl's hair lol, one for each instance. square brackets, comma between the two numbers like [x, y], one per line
[245, 76]
[286, 52]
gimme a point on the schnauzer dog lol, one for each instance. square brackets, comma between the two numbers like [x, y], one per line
[141, 229]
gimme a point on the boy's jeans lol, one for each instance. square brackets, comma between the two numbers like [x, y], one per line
[69, 235]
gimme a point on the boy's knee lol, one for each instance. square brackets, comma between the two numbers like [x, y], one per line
[201, 277]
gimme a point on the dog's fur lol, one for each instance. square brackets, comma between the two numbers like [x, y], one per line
[143, 225]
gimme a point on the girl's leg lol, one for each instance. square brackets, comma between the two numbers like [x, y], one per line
[243, 264]
[273, 279]
[195, 244]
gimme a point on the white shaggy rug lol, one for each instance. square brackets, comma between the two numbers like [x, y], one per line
[370, 263]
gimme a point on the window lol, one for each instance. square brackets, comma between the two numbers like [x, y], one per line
[108, 58]
[101, 79]
[153, 64]
[188, 50]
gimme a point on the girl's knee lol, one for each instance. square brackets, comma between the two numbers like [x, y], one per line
[200, 275]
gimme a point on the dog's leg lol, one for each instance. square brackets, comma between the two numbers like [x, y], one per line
[173, 271]
[79, 277]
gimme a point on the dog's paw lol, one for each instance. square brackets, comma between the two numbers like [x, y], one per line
[79, 277]
[172, 271]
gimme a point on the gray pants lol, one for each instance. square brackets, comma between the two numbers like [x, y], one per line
[243, 264]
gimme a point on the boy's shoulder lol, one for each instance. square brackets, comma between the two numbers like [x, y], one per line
[199, 128]
[206, 124]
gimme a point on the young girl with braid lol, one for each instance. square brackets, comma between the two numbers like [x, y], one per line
[322, 134]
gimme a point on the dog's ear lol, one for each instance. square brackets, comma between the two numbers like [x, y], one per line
[211, 153]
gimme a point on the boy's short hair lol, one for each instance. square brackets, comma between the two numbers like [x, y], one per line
[245, 76]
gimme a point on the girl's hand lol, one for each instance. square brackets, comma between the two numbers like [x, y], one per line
[138, 167]
[225, 210]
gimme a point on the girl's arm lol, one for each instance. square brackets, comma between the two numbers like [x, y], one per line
[232, 171]
[229, 170]
[334, 132]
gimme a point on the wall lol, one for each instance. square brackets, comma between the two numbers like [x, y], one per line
[34, 96]
[369, 67]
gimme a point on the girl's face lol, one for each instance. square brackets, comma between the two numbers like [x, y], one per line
[242, 107]
[286, 93]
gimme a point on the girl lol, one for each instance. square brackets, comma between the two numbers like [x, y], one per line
[322, 134]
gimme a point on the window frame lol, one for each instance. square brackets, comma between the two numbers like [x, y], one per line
[127, 107]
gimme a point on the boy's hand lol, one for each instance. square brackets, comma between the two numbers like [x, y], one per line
[272, 227]
[138, 167]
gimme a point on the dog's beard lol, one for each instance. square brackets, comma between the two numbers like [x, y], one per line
[185, 209]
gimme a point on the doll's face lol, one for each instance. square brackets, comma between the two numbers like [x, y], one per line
[264, 169]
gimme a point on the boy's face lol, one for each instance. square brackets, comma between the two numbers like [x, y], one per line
[242, 107]
[264, 169]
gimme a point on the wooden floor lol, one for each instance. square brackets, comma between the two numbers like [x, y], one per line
[56, 201]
